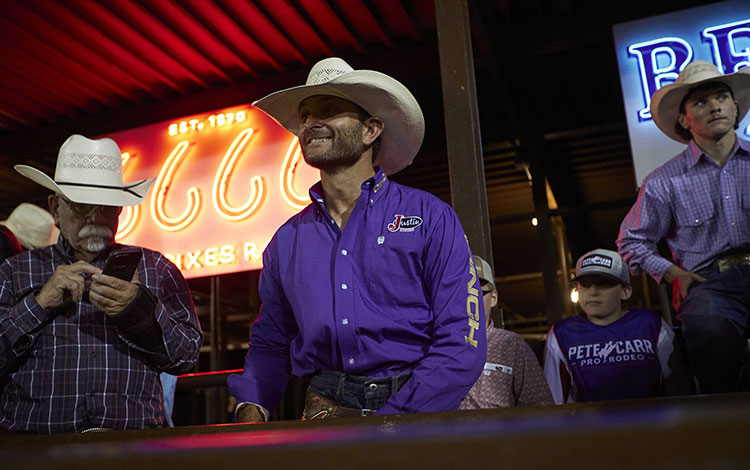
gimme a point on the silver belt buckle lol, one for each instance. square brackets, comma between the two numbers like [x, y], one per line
[367, 411]
[728, 262]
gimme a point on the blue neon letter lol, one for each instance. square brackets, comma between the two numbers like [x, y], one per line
[726, 45]
[659, 63]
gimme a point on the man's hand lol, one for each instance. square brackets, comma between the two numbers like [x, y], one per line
[681, 281]
[66, 285]
[110, 294]
[250, 413]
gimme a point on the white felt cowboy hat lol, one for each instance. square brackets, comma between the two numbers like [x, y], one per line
[33, 226]
[90, 172]
[378, 94]
[665, 103]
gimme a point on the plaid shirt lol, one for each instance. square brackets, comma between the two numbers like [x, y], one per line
[700, 208]
[75, 367]
[512, 375]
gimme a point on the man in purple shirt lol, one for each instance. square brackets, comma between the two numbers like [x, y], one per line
[81, 350]
[371, 291]
[699, 201]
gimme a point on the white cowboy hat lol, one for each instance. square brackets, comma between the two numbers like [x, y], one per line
[665, 104]
[33, 226]
[90, 172]
[378, 94]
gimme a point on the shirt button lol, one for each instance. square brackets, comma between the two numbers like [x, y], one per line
[344, 252]
[372, 202]
[697, 220]
[351, 360]
[333, 221]
[345, 321]
[726, 197]
[732, 224]
[344, 286]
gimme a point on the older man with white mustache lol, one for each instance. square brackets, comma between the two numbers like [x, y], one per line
[81, 350]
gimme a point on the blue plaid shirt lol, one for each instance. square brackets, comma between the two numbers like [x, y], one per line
[75, 368]
[700, 208]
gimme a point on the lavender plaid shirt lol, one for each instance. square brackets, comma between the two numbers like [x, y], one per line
[700, 208]
[76, 368]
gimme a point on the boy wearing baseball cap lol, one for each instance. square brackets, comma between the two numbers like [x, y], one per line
[611, 351]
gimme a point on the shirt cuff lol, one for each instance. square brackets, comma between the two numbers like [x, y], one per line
[658, 267]
[263, 411]
[138, 321]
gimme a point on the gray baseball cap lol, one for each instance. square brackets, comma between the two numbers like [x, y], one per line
[484, 271]
[601, 262]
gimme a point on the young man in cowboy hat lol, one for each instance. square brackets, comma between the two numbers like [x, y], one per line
[81, 350]
[371, 290]
[699, 201]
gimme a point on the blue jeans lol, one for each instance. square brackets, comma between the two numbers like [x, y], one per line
[168, 385]
[354, 391]
[714, 318]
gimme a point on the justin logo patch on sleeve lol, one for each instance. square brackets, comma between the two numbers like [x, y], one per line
[403, 223]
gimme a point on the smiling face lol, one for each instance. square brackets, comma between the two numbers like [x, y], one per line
[89, 228]
[333, 132]
[709, 112]
[601, 298]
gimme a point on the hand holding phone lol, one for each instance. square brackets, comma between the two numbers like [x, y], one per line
[113, 296]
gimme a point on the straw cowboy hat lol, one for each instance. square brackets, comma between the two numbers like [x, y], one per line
[665, 104]
[33, 226]
[90, 172]
[378, 94]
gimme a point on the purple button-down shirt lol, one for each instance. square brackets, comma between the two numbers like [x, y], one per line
[74, 368]
[395, 292]
[701, 209]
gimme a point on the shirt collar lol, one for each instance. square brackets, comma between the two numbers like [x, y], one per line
[695, 152]
[376, 186]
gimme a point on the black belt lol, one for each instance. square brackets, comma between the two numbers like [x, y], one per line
[392, 384]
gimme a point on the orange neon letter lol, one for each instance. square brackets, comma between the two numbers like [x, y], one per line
[129, 215]
[221, 183]
[287, 177]
[163, 182]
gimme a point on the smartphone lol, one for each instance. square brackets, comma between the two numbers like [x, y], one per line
[123, 263]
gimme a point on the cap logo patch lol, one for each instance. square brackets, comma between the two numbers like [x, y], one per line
[597, 260]
[403, 223]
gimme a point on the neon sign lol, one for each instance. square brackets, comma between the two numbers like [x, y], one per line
[651, 53]
[225, 181]
[727, 55]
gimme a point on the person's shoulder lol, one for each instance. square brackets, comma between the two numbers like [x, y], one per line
[507, 338]
[570, 321]
[675, 166]
[22, 261]
[306, 215]
[433, 211]
[505, 335]
[642, 314]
